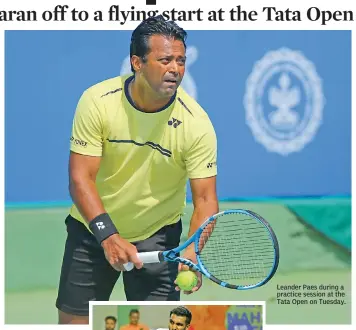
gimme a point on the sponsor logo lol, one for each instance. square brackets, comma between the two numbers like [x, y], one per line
[100, 225]
[174, 122]
[78, 142]
[210, 165]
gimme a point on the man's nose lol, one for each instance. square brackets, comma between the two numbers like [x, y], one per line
[173, 68]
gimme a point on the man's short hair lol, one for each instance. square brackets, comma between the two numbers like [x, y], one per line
[182, 311]
[113, 318]
[134, 311]
[156, 25]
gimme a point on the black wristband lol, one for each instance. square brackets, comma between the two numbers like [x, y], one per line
[102, 227]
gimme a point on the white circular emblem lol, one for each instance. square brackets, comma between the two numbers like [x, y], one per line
[284, 101]
[188, 82]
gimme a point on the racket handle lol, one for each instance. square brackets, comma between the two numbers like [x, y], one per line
[128, 266]
[146, 258]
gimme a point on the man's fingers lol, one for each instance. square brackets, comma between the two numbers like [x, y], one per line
[198, 286]
[122, 258]
[182, 267]
[136, 261]
[200, 278]
[119, 267]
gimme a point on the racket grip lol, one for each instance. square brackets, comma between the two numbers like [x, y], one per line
[146, 258]
[128, 266]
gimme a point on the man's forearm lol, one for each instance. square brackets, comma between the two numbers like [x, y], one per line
[86, 197]
[204, 209]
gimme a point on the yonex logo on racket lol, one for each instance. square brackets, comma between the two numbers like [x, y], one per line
[174, 122]
[100, 225]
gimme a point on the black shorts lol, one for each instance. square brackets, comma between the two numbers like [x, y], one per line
[86, 275]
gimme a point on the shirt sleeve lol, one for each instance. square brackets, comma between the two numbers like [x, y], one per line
[87, 129]
[201, 157]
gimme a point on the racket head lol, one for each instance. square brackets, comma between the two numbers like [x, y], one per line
[226, 252]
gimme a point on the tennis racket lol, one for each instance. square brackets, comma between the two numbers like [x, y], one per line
[236, 249]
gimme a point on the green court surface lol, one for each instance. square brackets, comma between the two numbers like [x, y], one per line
[35, 241]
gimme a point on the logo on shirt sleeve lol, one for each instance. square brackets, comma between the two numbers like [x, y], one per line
[211, 165]
[79, 142]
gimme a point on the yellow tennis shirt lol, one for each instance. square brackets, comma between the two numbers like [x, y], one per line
[146, 158]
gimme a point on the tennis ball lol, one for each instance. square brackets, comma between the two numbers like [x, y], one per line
[186, 280]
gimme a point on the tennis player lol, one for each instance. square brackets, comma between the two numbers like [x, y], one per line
[180, 318]
[136, 140]
[134, 322]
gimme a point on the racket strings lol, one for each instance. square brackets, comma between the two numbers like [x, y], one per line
[237, 250]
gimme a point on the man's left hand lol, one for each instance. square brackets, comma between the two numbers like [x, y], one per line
[190, 255]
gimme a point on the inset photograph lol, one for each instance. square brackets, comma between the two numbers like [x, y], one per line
[169, 316]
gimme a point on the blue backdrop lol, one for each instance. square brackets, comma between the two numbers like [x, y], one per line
[310, 93]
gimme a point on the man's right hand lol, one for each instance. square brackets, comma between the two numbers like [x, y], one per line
[119, 251]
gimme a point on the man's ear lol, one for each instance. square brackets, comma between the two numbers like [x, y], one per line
[136, 63]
